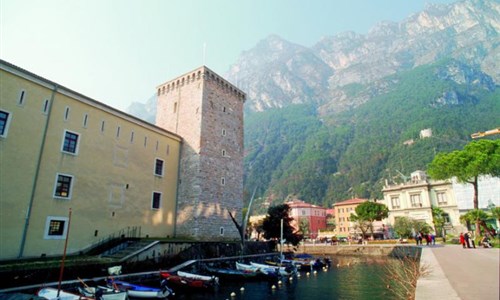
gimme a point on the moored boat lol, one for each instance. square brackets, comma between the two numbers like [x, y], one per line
[231, 274]
[283, 271]
[102, 293]
[185, 280]
[53, 294]
[141, 291]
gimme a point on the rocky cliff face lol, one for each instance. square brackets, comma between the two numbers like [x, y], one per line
[277, 73]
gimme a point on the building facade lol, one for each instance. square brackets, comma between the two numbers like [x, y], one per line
[61, 151]
[314, 216]
[343, 210]
[207, 111]
[414, 199]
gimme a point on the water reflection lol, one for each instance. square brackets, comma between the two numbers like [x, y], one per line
[348, 278]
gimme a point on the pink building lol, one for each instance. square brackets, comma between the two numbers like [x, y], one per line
[315, 216]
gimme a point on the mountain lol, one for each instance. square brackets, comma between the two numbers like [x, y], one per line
[338, 119]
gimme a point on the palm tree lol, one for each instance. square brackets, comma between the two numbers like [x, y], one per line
[438, 220]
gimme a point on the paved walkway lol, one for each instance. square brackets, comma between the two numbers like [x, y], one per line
[458, 273]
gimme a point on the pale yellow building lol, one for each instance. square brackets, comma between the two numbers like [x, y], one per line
[343, 210]
[60, 150]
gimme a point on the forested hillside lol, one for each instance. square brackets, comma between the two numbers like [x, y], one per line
[327, 158]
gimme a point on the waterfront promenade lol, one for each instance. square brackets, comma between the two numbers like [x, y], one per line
[457, 273]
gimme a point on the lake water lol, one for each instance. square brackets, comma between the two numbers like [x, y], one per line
[348, 278]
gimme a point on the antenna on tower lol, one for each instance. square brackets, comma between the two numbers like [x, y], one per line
[204, 51]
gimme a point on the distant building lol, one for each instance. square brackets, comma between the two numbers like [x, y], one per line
[343, 210]
[314, 215]
[425, 133]
[414, 199]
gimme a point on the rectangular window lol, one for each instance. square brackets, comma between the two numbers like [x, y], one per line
[66, 113]
[63, 186]
[132, 137]
[45, 107]
[118, 132]
[156, 204]
[70, 142]
[102, 126]
[56, 228]
[395, 202]
[223, 181]
[20, 101]
[441, 198]
[85, 120]
[4, 123]
[223, 132]
[415, 200]
[159, 167]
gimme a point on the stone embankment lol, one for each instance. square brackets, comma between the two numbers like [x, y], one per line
[357, 249]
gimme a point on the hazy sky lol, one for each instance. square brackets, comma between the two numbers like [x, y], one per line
[118, 51]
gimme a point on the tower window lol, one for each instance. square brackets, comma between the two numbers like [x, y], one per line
[159, 167]
[132, 137]
[63, 186]
[85, 120]
[223, 132]
[102, 126]
[45, 107]
[4, 123]
[223, 181]
[20, 101]
[118, 132]
[223, 152]
[70, 142]
[66, 113]
[175, 107]
[156, 201]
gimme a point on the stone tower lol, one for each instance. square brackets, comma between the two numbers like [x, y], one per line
[207, 112]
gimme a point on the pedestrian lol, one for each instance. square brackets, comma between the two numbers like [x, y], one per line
[462, 239]
[471, 238]
[466, 238]
[433, 238]
[427, 239]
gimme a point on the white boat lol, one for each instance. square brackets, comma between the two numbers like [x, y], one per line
[197, 276]
[140, 291]
[245, 267]
[52, 294]
[284, 271]
[103, 293]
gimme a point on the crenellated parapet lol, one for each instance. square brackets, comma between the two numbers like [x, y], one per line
[202, 73]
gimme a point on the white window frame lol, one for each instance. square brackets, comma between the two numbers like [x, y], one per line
[414, 203]
[7, 123]
[162, 167]
[153, 199]
[71, 185]
[441, 198]
[77, 142]
[395, 200]
[46, 235]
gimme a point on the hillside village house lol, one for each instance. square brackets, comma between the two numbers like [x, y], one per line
[119, 175]
[414, 199]
[313, 215]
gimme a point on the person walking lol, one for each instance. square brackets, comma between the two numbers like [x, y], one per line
[466, 238]
[471, 239]
[433, 238]
[462, 239]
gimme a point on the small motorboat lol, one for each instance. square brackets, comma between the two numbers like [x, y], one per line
[281, 270]
[187, 280]
[102, 293]
[141, 291]
[55, 294]
[265, 273]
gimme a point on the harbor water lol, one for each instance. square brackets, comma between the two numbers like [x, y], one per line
[347, 278]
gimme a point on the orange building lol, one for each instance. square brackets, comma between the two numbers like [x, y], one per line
[343, 211]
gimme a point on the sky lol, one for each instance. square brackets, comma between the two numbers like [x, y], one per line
[118, 51]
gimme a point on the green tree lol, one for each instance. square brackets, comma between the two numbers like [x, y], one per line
[368, 212]
[421, 226]
[495, 213]
[438, 219]
[479, 217]
[403, 227]
[304, 226]
[272, 225]
[477, 158]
